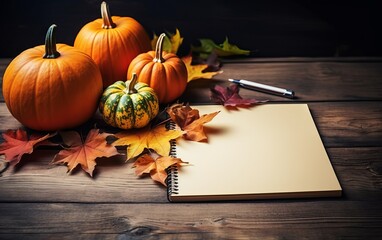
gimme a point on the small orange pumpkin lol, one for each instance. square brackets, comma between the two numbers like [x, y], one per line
[52, 87]
[112, 42]
[165, 72]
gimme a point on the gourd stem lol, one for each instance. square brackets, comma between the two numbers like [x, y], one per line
[158, 49]
[50, 43]
[105, 13]
[133, 81]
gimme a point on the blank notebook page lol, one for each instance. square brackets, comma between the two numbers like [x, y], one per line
[266, 151]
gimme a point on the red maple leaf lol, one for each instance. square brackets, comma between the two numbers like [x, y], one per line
[84, 152]
[229, 96]
[17, 143]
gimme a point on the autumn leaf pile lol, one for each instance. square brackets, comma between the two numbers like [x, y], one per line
[148, 147]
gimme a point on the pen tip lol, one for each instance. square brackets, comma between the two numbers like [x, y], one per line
[230, 79]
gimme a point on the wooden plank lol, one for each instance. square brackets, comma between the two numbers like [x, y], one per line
[7, 121]
[340, 124]
[359, 171]
[259, 220]
[345, 124]
[312, 81]
[301, 59]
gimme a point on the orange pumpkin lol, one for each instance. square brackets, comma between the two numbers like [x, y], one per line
[52, 87]
[112, 42]
[165, 72]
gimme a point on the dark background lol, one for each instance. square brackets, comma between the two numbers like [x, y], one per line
[269, 28]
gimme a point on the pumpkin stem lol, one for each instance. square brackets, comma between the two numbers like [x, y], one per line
[158, 49]
[50, 43]
[132, 83]
[105, 13]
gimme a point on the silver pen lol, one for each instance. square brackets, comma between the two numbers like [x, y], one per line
[264, 88]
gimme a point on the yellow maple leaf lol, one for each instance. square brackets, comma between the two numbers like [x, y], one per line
[176, 41]
[155, 167]
[137, 140]
[196, 71]
[171, 42]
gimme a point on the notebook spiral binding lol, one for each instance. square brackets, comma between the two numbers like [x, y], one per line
[172, 171]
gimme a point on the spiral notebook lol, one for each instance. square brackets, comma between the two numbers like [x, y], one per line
[263, 152]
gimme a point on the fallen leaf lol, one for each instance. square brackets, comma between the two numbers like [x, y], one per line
[137, 140]
[222, 50]
[84, 152]
[17, 143]
[229, 96]
[213, 62]
[155, 167]
[197, 71]
[189, 120]
[171, 42]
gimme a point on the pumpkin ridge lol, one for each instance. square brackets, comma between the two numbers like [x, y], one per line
[111, 108]
[110, 58]
[140, 106]
[177, 78]
[141, 39]
[158, 81]
[65, 85]
[148, 109]
[145, 71]
[34, 73]
[149, 97]
[15, 74]
[136, 37]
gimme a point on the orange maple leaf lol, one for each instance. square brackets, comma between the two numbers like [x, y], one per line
[155, 167]
[17, 143]
[197, 71]
[84, 152]
[137, 140]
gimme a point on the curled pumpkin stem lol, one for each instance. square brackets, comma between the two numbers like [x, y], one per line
[106, 17]
[132, 83]
[50, 43]
[159, 49]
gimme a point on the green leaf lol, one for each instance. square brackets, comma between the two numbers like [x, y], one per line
[222, 50]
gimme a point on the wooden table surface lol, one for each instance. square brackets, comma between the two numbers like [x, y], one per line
[39, 200]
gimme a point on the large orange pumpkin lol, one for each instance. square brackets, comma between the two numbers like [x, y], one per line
[113, 42]
[52, 87]
[165, 72]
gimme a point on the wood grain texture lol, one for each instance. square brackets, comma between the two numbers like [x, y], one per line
[255, 220]
[339, 123]
[39, 200]
[36, 180]
[311, 81]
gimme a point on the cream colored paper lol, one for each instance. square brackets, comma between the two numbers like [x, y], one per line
[267, 151]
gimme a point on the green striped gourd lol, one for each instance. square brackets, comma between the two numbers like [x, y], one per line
[129, 104]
